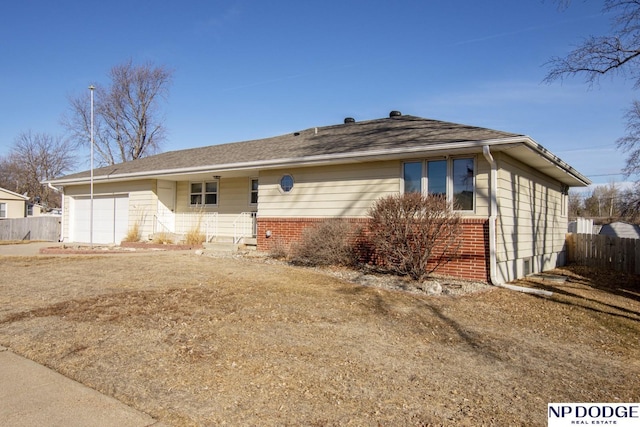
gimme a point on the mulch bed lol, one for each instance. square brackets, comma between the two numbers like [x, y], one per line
[125, 247]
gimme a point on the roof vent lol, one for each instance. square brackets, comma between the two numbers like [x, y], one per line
[349, 120]
[395, 113]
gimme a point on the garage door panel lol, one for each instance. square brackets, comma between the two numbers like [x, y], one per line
[110, 219]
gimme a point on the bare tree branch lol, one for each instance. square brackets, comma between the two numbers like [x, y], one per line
[127, 122]
[597, 56]
[36, 157]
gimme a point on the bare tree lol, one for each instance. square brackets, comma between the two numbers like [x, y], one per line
[127, 122]
[576, 204]
[600, 55]
[615, 54]
[36, 157]
[629, 203]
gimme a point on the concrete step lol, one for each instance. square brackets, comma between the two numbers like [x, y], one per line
[249, 241]
[220, 247]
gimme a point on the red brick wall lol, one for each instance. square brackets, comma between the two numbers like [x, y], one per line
[472, 261]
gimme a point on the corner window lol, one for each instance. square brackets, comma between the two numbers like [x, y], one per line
[452, 178]
[412, 174]
[3, 210]
[254, 191]
[463, 184]
[286, 183]
[204, 193]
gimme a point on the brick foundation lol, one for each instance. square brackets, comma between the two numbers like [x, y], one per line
[472, 261]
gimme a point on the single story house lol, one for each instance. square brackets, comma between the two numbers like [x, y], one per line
[511, 191]
[12, 205]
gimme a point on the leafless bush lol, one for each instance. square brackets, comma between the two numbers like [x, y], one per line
[326, 243]
[278, 248]
[163, 238]
[195, 236]
[413, 234]
[133, 233]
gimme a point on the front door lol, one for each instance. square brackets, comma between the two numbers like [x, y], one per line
[166, 218]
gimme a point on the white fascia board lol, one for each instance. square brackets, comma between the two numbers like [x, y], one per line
[334, 159]
[13, 193]
[557, 161]
[281, 163]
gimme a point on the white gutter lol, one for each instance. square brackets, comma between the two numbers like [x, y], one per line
[299, 161]
[493, 210]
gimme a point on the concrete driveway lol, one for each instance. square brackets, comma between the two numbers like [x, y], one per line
[26, 249]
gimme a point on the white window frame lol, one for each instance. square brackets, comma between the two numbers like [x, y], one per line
[293, 183]
[203, 193]
[252, 191]
[424, 181]
[3, 210]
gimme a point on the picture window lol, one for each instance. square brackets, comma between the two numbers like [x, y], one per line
[452, 178]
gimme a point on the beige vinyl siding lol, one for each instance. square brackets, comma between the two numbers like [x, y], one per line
[142, 201]
[346, 190]
[328, 191]
[482, 189]
[234, 196]
[532, 226]
[14, 208]
[15, 205]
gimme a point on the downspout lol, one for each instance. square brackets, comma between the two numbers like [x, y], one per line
[493, 212]
[57, 190]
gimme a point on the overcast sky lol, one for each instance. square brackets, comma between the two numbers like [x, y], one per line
[253, 69]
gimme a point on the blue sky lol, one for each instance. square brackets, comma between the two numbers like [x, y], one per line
[252, 69]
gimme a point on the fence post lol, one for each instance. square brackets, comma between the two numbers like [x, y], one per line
[571, 249]
[604, 252]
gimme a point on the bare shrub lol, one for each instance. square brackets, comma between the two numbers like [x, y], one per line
[413, 234]
[326, 243]
[195, 236]
[278, 248]
[163, 238]
[133, 233]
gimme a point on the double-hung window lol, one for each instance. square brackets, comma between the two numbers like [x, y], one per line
[3, 210]
[204, 193]
[254, 191]
[451, 178]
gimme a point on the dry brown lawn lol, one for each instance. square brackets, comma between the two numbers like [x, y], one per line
[220, 341]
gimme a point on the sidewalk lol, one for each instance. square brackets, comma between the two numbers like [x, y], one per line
[32, 395]
[26, 249]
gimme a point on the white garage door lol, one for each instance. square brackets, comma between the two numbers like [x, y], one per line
[110, 219]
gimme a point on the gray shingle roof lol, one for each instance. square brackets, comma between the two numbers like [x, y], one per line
[360, 138]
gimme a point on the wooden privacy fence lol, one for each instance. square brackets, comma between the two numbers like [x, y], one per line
[604, 252]
[32, 228]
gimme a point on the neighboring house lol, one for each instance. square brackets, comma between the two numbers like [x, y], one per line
[512, 192]
[583, 226]
[621, 229]
[12, 205]
[34, 209]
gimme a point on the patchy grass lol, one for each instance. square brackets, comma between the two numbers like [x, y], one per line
[205, 341]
